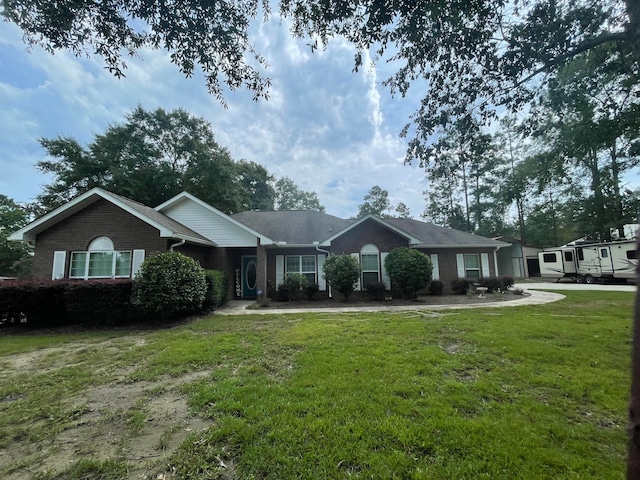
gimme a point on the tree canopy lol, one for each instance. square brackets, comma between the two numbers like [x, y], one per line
[375, 202]
[469, 56]
[154, 155]
[12, 217]
[288, 196]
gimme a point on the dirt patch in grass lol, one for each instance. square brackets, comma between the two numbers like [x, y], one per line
[138, 422]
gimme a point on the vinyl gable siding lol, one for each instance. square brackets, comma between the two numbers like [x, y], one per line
[211, 225]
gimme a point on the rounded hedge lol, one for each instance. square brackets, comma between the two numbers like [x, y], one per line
[342, 272]
[409, 270]
[168, 283]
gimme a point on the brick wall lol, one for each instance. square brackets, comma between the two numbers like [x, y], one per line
[368, 232]
[448, 266]
[76, 232]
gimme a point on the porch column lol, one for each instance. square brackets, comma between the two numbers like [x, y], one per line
[261, 269]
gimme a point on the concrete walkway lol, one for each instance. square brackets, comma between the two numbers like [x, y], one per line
[536, 297]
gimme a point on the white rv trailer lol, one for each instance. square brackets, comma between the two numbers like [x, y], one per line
[558, 262]
[590, 262]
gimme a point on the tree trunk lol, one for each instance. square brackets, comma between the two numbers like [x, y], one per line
[466, 197]
[596, 188]
[615, 180]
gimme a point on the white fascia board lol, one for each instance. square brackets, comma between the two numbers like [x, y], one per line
[28, 232]
[412, 240]
[185, 195]
[165, 233]
[295, 245]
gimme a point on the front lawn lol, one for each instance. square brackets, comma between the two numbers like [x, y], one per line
[522, 392]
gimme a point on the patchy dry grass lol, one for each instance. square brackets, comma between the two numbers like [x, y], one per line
[525, 392]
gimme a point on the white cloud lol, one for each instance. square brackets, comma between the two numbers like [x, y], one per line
[332, 131]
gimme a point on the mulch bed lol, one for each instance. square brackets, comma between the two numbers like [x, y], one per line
[422, 300]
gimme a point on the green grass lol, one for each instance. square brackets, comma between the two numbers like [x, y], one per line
[530, 392]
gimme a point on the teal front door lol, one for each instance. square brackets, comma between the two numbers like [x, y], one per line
[249, 276]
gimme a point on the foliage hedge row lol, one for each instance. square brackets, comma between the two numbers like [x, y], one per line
[461, 286]
[217, 285]
[51, 304]
[98, 303]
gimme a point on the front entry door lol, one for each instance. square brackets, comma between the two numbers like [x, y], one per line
[249, 276]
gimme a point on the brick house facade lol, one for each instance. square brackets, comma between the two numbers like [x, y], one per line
[256, 249]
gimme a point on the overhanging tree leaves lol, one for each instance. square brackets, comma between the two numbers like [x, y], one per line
[591, 123]
[471, 55]
[210, 35]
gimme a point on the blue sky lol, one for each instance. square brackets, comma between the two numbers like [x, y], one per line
[331, 130]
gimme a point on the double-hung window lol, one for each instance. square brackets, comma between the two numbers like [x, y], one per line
[370, 265]
[472, 265]
[100, 261]
[303, 264]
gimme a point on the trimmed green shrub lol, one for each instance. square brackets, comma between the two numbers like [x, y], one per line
[294, 283]
[169, 283]
[507, 282]
[409, 270]
[495, 284]
[342, 272]
[436, 287]
[461, 286]
[217, 286]
[311, 291]
[375, 291]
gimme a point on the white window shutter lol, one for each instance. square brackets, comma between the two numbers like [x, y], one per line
[385, 276]
[435, 273]
[322, 282]
[460, 264]
[136, 262]
[279, 270]
[59, 260]
[484, 258]
[357, 257]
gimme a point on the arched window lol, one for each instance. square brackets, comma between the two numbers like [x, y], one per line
[101, 260]
[101, 244]
[370, 263]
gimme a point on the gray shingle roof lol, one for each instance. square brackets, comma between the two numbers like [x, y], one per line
[161, 218]
[433, 235]
[306, 227]
[294, 227]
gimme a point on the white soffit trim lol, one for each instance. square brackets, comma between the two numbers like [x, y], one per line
[187, 196]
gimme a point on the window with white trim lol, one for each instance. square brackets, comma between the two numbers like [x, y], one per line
[303, 264]
[472, 265]
[100, 261]
[370, 264]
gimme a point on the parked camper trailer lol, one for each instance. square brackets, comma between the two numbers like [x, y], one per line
[558, 263]
[590, 262]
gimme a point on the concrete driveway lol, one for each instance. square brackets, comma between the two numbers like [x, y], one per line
[566, 285]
